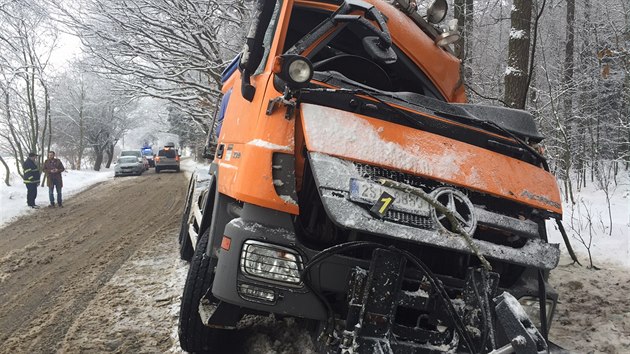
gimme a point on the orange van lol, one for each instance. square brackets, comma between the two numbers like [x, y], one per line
[354, 188]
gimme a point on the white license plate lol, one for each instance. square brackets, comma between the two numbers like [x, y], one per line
[368, 193]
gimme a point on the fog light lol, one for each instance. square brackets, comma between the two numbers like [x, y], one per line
[271, 262]
[531, 305]
[255, 293]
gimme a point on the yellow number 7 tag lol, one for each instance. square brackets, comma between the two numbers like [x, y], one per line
[382, 205]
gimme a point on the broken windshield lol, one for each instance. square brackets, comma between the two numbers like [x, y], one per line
[341, 55]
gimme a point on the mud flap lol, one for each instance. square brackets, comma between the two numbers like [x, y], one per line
[218, 314]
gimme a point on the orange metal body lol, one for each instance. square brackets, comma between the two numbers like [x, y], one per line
[250, 136]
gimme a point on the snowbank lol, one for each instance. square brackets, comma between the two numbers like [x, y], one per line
[588, 220]
[13, 198]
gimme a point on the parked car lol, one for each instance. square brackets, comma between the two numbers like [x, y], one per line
[167, 159]
[128, 165]
[138, 154]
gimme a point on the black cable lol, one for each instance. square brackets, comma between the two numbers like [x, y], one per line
[319, 257]
[443, 295]
[485, 303]
[542, 304]
[435, 283]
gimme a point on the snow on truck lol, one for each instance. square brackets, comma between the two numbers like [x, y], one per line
[354, 189]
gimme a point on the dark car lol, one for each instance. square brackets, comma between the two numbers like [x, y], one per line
[167, 159]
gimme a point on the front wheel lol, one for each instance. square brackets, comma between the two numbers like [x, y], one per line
[194, 336]
[157, 170]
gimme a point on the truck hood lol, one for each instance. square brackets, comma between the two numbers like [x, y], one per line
[376, 142]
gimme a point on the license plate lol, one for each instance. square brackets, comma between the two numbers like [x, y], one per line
[366, 192]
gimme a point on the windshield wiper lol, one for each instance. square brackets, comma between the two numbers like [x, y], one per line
[413, 120]
[490, 125]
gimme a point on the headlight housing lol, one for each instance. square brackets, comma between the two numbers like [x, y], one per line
[272, 263]
[295, 70]
[531, 305]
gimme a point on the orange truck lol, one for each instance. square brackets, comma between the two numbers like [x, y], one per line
[353, 188]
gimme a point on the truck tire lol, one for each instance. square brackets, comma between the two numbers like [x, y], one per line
[157, 170]
[185, 244]
[194, 336]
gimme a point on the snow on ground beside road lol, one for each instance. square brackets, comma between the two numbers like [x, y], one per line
[593, 312]
[13, 198]
[590, 202]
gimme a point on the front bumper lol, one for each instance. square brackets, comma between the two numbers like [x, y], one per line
[127, 172]
[330, 276]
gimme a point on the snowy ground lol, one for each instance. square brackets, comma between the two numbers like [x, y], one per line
[588, 220]
[13, 198]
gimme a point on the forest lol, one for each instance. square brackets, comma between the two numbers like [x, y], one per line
[567, 62]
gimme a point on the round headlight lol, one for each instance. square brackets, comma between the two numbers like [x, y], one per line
[300, 71]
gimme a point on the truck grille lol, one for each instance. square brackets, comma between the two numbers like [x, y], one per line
[375, 172]
[418, 221]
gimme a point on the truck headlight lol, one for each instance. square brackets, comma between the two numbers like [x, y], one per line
[531, 305]
[295, 70]
[271, 262]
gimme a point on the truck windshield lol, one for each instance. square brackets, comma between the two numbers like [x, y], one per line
[342, 58]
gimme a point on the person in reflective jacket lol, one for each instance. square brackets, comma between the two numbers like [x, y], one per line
[31, 178]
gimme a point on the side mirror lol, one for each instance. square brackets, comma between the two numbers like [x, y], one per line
[253, 50]
[379, 46]
[378, 52]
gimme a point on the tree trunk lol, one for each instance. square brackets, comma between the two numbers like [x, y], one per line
[567, 84]
[81, 147]
[110, 155]
[463, 47]
[98, 158]
[8, 172]
[468, 30]
[459, 13]
[517, 72]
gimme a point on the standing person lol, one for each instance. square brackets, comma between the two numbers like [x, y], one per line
[31, 179]
[53, 168]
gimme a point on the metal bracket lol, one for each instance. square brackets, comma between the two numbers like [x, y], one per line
[523, 335]
[373, 303]
[282, 101]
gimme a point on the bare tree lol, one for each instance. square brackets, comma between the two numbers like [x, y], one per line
[463, 12]
[166, 49]
[583, 220]
[27, 38]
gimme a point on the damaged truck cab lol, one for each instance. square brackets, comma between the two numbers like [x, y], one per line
[354, 188]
